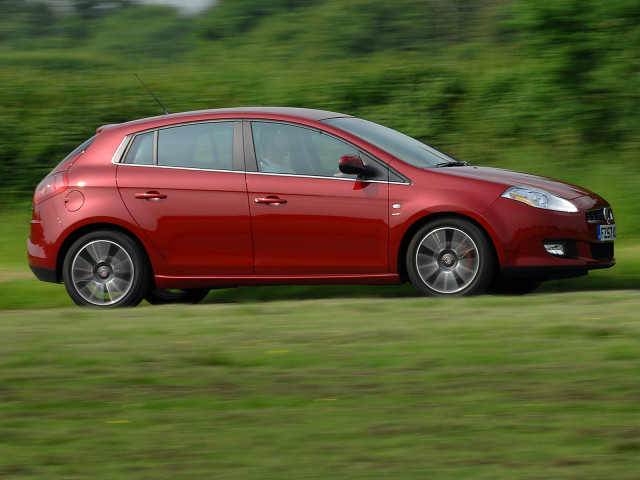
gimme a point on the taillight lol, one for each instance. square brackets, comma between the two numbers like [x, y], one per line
[52, 184]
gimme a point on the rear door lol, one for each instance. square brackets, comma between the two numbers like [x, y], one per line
[185, 187]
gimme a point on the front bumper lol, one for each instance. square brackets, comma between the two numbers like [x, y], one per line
[520, 233]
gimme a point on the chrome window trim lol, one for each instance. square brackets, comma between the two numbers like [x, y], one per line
[299, 125]
[181, 168]
[380, 163]
[118, 156]
[156, 139]
[270, 174]
[294, 175]
[121, 152]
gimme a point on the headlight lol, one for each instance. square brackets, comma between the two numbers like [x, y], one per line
[539, 199]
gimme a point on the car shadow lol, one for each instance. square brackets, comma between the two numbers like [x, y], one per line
[406, 290]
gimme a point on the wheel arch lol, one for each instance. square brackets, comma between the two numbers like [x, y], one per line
[418, 224]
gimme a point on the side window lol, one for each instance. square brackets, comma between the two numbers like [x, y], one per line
[141, 150]
[203, 145]
[282, 148]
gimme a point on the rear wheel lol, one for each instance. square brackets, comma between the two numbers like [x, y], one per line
[106, 269]
[163, 297]
[450, 257]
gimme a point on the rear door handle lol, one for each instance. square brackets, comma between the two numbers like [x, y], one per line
[153, 195]
[271, 200]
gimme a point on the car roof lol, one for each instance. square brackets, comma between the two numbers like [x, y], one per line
[277, 113]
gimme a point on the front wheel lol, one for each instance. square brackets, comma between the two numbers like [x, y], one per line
[106, 269]
[164, 297]
[450, 257]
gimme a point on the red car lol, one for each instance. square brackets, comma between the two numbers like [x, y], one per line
[166, 208]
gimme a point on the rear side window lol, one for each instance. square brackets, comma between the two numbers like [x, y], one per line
[79, 149]
[204, 146]
[141, 150]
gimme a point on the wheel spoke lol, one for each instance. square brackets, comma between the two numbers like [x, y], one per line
[117, 286]
[82, 270]
[95, 251]
[112, 251]
[464, 272]
[110, 291]
[459, 241]
[428, 270]
[448, 236]
[457, 277]
[87, 257]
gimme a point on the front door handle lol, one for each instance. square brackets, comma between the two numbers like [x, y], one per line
[152, 195]
[271, 200]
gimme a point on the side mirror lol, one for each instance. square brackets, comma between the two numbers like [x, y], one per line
[353, 165]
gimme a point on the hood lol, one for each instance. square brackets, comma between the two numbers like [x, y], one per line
[509, 178]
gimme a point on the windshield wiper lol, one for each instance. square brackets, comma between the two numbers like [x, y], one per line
[453, 163]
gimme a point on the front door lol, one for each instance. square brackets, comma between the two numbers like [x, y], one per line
[307, 218]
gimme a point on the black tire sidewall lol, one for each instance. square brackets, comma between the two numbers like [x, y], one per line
[141, 278]
[485, 254]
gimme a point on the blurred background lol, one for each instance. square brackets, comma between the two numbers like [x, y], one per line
[385, 386]
[543, 86]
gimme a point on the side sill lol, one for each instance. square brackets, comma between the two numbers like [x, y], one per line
[45, 274]
[163, 281]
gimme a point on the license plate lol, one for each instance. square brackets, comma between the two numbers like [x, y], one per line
[607, 233]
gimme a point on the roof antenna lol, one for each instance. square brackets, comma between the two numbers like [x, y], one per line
[166, 112]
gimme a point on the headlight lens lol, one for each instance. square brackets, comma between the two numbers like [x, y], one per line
[539, 199]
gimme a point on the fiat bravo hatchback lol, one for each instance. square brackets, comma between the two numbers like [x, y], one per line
[166, 208]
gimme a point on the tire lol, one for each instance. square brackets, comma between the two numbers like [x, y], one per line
[164, 297]
[106, 269]
[450, 257]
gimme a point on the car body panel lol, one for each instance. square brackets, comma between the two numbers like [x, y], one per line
[326, 226]
[202, 226]
[510, 178]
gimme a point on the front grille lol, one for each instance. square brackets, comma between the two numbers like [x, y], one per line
[602, 251]
[596, 215]
[600, 215]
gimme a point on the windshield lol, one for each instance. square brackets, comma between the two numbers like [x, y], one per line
[397, 144]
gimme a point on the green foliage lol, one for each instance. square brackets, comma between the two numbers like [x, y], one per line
[545, 86]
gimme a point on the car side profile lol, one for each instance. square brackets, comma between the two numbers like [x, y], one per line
[166, 208]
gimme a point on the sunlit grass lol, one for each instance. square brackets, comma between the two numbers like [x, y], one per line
[390, 388]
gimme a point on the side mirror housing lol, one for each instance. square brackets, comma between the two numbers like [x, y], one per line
[353, 165]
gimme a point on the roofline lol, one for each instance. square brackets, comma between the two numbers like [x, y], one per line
[291, 113]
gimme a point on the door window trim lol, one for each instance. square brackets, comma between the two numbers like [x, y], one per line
[252, 162]
[237, 150]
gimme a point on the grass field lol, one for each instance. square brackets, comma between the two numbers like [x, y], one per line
[544, 386]
[321, 382]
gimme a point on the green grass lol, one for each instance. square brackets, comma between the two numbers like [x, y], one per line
[543, 386]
